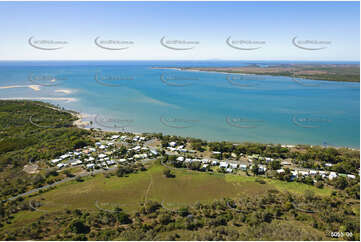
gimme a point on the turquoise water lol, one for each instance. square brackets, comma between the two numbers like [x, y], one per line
[213, 106]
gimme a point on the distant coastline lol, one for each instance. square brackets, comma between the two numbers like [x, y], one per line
[322, 72]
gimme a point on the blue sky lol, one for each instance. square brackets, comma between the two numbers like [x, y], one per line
[209, 23]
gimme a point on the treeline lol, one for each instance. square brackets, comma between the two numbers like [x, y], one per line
[33, 132]
[269, 216]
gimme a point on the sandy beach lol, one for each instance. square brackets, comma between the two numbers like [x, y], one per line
[34, 87]
[66, 91]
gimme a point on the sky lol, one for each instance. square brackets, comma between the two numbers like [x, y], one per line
[205, 26]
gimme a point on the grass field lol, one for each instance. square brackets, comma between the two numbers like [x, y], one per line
[97, 193]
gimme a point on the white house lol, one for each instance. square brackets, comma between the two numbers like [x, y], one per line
[215, 163]
[102, 156]
[304, 173]
[217, 152]
[229, 170]
[351, 176]
[206, 161]
[115, 137]
[223, 164]
[154, 152]
[233, 165]
[122, 160]
[54, 161]
[269, 159]
[172, 144]
[76, 162]
[180, 158]
[280, 171]
[90, 166]
[60, 165]
[243, 167]
[313, 172]
[332, 175]
[328, 164]
[110, 162]
[102, 147]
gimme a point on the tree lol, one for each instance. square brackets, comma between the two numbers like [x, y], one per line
[167, 173]
[78, 227]
[255, 169]
[340, 183]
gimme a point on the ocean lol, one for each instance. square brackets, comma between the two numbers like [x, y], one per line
[150, 96]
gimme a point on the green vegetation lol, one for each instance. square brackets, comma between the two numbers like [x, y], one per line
[32, 132]
[163, 199]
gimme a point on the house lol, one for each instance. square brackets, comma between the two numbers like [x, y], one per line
[102, 147]
[60, 165]
[206, 161]
[332, 175]
[142, 138]
[233, 155]
[76, 162]
[243, 167]
[223, 164]
[351, 176]
[183, 150]
[216, 153]
[98, 143]
[313, 172]
[180, 147]
[180, 158]
[280, 171]
[269, 159]
[91, 158]
[262, 169]
[154, 152]
[92, 149]
[229, 170]
[102, 156]
[90, 166]
[188, 160]
[136, 148]
[285, 163]
[110, 162]
[77, 153]
[304, 173]
[171, 148]
[172, 144]
[294, 173]
[233, 165]
[204, 166]
[328, 164]
[215, 163]
[144, 148]
[115, 137]
[54, 161]
[110, 144]
[122, 160]
[64, 156]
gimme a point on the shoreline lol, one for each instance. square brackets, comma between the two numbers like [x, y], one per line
[81, 123]
[194, 69]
